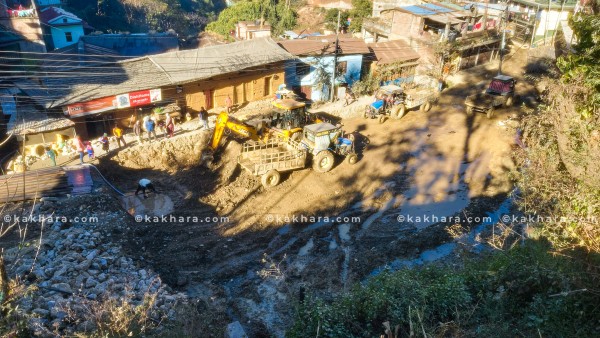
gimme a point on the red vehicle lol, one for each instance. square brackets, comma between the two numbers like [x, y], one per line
[501, 92]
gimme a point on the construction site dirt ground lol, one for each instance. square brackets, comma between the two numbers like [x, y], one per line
[247, 253]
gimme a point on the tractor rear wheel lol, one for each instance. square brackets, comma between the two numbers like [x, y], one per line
[426, 106]
[323, 161]
[352, 158]
[270, 179]
[509, 101]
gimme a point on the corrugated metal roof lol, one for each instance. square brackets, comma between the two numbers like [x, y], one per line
[50, 13]
[453, 6]
[437, 8]
[30, 120]
[393, 51]
[418, 10]
[324, 45]
[160, 70]
[110, 79]
[203, 63]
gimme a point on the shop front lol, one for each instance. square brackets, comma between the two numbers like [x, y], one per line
[99, 116]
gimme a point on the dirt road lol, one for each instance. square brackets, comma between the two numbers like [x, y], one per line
[274, 246]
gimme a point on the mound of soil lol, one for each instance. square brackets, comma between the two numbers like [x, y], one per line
[181, 152]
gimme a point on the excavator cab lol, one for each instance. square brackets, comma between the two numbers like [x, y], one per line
[288, 117]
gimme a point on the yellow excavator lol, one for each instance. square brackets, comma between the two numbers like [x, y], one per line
[225, 122]
[285, 121]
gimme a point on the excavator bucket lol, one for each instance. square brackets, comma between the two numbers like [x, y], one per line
[207, 156]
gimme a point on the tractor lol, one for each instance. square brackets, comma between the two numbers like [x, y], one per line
[323, 141]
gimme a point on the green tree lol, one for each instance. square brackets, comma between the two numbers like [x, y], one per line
[331, 18]
[276, 12]
[582, 66]
[186, 17]
[360, 9]
[560, 178]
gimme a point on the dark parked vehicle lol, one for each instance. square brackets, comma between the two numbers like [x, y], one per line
[501, 92]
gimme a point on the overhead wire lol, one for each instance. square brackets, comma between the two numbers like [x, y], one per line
[76, 72]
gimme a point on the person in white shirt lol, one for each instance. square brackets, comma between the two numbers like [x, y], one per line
[144, 184]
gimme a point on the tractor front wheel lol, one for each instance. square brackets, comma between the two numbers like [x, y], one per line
[470, 111]
[382, 118]
[270, 179]
[352, 158]
[490, 112]
[323, 161]
[398, 111]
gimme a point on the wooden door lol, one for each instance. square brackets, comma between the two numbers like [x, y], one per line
[208, 99]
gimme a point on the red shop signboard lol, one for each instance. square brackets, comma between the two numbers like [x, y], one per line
[90, 107]
[140, 98]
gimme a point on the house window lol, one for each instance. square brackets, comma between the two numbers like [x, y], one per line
[69, 36]
[64, 20]
[302, 69]
[342, 68]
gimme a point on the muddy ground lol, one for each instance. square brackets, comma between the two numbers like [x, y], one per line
[254, 266]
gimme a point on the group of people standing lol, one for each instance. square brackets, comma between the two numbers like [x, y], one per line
[86, 147]
[149, 126]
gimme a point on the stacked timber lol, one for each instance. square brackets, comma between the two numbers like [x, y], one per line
[53, 181]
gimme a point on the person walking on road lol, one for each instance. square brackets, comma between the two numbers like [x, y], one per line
[105, 143]
[144, 184]
[90, 150]
[51, 155]
[150, 127]
[170, 124]
[137, 130]
[228, 104]
[80, 147]
[203, 116]
[118, 133]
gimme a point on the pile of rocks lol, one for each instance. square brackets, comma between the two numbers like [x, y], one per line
[75, 271]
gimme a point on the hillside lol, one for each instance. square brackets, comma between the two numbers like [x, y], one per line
[186, 17]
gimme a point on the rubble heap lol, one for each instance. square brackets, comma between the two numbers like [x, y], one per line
[78, 268]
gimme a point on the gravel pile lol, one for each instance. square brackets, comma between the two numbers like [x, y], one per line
[79, 268]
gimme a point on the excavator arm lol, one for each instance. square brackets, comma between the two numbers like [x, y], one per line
[224, 121]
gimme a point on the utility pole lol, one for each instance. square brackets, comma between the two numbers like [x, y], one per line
[558, 20]
[503, 42]
[546, 25]
[485, 14]
[335, 56]
[534, 28]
